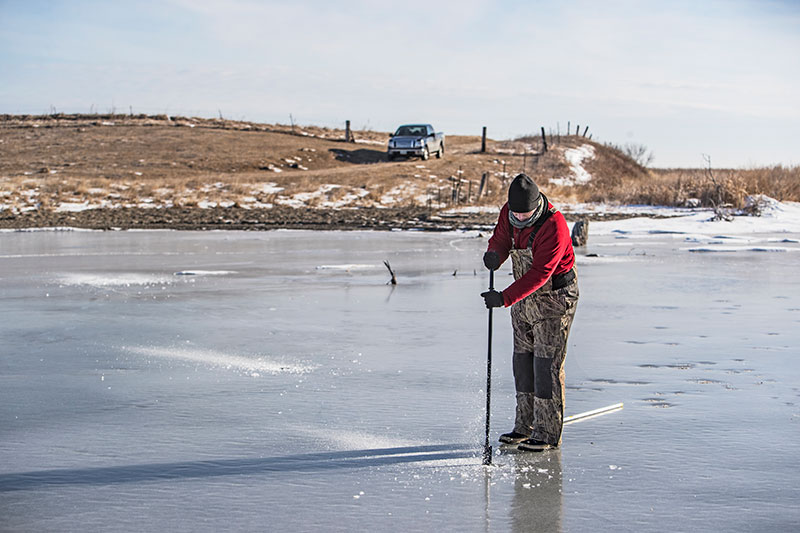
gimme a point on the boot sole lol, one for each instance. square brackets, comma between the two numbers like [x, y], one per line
[535, 447]
[512, 441]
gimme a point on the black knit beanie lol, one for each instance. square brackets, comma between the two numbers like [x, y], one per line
[523, 194]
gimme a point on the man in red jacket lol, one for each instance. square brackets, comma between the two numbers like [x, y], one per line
[542, 298]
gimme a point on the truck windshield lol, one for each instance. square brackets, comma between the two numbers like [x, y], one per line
[410, 131]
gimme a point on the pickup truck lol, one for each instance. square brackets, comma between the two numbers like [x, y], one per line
[415, 139]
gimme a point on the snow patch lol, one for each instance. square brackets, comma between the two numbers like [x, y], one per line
[67, 207]
[267, 188]
[575, 158]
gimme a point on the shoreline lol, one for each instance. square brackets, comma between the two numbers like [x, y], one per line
[264, 219]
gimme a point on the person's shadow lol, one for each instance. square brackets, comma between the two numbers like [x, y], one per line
[111, 475]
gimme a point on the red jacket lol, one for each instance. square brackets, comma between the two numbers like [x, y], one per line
[552, 252]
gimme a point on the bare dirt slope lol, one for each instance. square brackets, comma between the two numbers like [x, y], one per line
[143, 171]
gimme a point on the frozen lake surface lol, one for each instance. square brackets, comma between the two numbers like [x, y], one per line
[273, 381]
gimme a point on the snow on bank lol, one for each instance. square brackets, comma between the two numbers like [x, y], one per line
[776, 217]
[575, 157]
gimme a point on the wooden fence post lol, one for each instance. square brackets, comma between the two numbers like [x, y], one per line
[578, 129]
[585, 130]
[347, 131]
[568, 128]
[483, 141]
[544, 140]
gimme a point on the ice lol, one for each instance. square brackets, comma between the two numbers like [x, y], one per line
[281, 376]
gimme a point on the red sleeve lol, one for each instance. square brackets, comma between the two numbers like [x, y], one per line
[551, 243]
[500, 241]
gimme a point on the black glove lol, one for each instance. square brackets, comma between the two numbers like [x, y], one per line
[493, 298]
[491, 260]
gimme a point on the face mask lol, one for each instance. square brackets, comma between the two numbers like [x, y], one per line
[520, 224]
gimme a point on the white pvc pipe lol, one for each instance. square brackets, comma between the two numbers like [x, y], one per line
[593, 413]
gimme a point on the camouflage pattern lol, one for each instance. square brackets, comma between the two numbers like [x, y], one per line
[541, 325]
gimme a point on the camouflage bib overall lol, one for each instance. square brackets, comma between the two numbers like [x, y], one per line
[541, 323]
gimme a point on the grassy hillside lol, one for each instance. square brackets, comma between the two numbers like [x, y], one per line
[74, 162]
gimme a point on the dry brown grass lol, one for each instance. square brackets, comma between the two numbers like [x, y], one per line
[46, 161]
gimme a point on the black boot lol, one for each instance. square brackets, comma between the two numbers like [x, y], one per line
[512, 438]
[533, 445]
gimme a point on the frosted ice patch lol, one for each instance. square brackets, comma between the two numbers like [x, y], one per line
[205, 273]
[255, 366]
[346, 267]
[113, 280]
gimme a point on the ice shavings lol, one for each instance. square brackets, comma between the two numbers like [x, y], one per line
[252, 365]
[575, 158]
[357, 440]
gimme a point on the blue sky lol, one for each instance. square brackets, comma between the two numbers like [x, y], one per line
[683, 78]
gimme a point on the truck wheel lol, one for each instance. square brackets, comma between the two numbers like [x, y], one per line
[440, 153]
[425, 154]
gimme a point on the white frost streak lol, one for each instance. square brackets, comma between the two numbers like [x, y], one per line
[575, 157]
[125, 279]
[254, 366]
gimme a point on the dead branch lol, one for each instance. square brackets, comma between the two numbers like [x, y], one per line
[392, 281]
